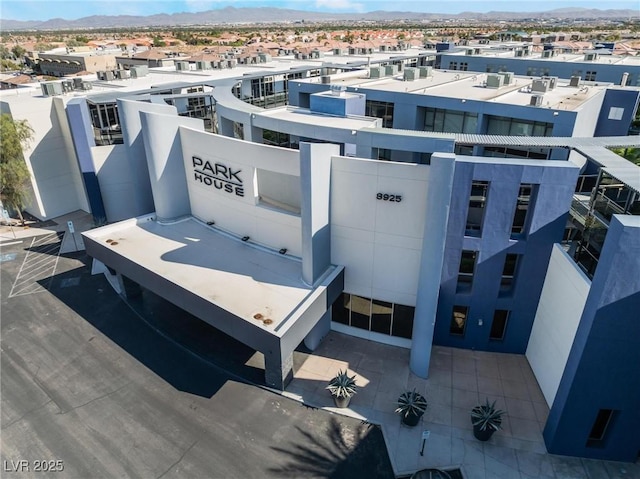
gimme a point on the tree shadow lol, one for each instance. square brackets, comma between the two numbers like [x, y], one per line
[341, 450]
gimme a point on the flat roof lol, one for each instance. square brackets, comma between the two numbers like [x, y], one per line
[239, 277]
[304, 115]
[469, 86]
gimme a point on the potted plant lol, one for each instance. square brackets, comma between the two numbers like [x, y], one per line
[486, 420]
[342, 387]
[411, 407]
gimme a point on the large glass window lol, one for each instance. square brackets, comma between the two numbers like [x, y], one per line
[523, 205]
[373, 315]
[360, 312]
[499, 125]
[598, 432]
[449, 121]
[458, 320]
[467, 267]
[509, 272]
[380, 109]
[477, 204]
[499, 324]
[381, 313]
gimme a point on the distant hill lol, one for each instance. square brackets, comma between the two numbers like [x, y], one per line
[232, 15]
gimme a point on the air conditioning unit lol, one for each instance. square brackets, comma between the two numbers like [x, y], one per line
[536, 100]
[590, 57]
[494, 80]
[426, 72]
[519, 53]
[410, 74]
[541, 85]
[574, 81]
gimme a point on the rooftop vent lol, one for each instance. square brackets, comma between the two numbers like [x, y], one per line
[574, 81]
[536, 100]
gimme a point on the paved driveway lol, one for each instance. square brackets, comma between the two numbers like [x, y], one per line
[85, 381]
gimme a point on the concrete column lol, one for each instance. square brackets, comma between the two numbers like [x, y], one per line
[433, 246]
[278, 371]
[165, 162]
[130, 289]
[319, 331]
[314, 181]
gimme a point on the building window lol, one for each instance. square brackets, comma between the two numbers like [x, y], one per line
[453, 65]
[509, 272]
[450, 121]
[600, 426]
[458, 320]
[590, 76]
[360, 312]
[466, 270]
[402, 325]
[499, 324]
[477, 204]
[523, 205]
[464, 66]
[381, 154]
[374, 315]
[381, 313]
[380, 109]
[500, 125]
[276, 138]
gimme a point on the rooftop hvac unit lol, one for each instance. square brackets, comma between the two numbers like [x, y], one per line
[87, 85]
[325, 79]
[67, 86]
[574, 81]
[182, 66]
[139, 71]
[383, 48]
[536, 100]
[77, 83]
[547, 53]
[410, 74]
[589, 57]
[100, 75]
[391, 70]
[376, 72]
[553, 81]
[202, 65]
[541, 85]
[519, 53]
[51, 88]
[232, 63]
[123, 74]
[469, 51]
[494, 80]
[426, 72]
[109, 75]
[507, 77]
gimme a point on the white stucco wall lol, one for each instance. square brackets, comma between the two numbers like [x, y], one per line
[379, 242]
[49, 156]
[242, 215]
[116, 181]
[561, 304]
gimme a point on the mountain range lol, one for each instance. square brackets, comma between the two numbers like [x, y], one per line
[238, 16]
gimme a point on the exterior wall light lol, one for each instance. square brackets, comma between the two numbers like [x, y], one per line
[282, 251]
[245, 238]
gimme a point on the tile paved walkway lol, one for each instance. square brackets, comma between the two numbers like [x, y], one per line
[458, 380]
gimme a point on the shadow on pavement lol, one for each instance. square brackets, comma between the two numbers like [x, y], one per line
[339, 452]
[108, 313]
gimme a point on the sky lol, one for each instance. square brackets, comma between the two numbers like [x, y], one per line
[71, 10]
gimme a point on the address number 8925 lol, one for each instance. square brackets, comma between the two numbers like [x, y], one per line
[388, 197]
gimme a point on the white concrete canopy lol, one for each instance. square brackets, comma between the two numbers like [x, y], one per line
[233, 285]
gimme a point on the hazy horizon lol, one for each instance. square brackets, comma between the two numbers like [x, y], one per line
[37, 10]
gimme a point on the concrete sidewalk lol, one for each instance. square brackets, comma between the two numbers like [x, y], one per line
[71, 242]
[458, 380]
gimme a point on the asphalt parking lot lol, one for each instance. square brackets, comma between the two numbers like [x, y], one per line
[94, 387]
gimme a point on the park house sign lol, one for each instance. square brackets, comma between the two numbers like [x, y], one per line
[218, 176]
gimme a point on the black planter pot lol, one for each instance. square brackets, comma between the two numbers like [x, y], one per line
[411, 419]
[341, 402]
[483, 434]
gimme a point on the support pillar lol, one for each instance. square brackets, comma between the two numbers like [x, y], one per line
[278, 371]
[130, 289]
[319, 331]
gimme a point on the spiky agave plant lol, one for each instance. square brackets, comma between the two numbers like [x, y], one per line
[411, 403]
[342, 385]
[486, 416]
